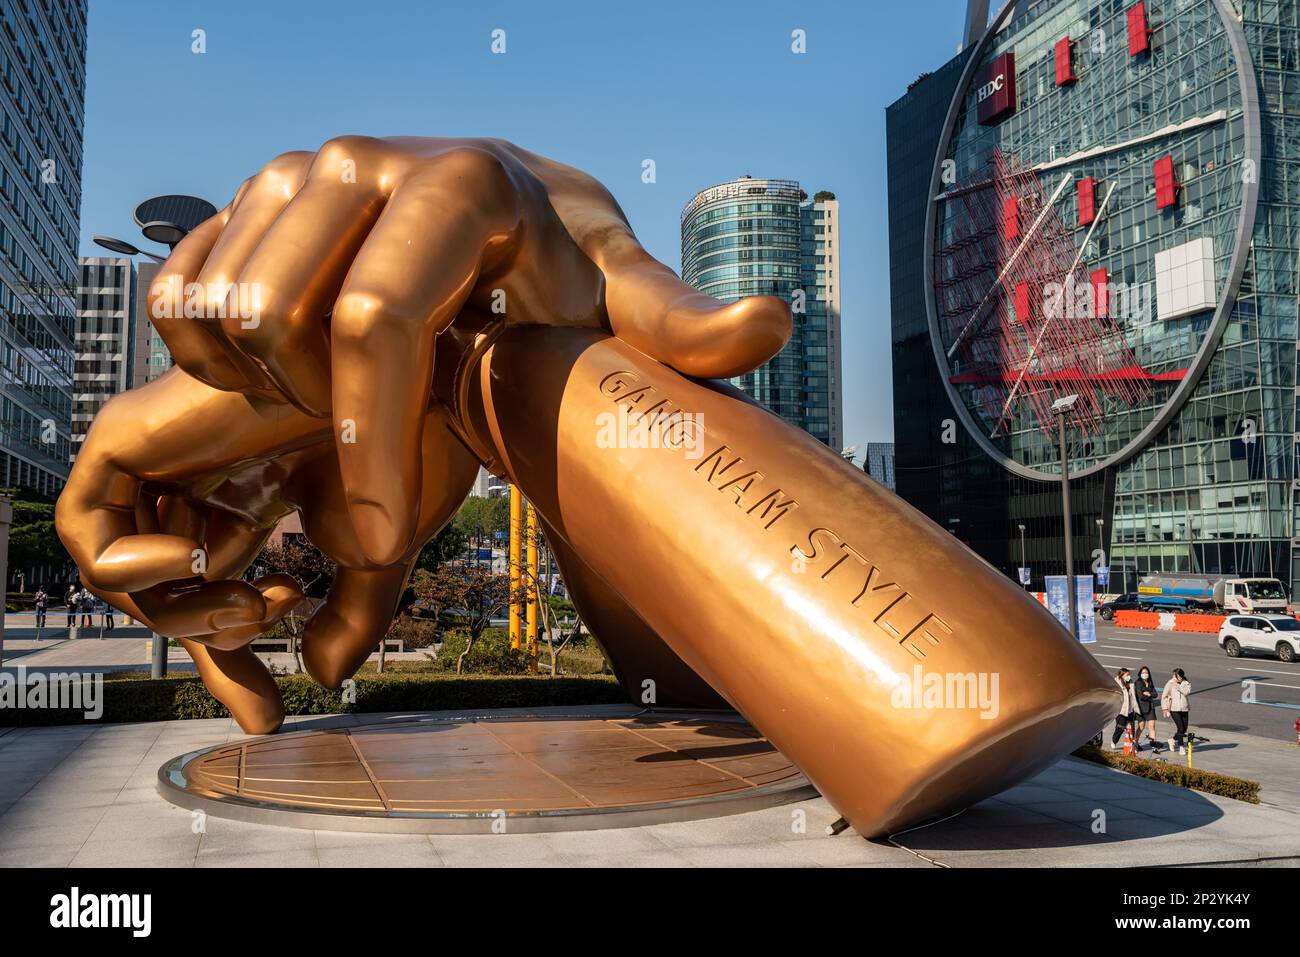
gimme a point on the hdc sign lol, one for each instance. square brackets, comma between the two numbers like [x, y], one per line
[995, 89]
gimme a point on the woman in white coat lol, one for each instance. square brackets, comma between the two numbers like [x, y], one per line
[1128, 709]
[1175, 701]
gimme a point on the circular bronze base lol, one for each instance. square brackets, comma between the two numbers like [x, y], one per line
[480, 775]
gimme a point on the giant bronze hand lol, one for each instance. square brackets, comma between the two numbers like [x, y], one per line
[175, 492]
[382, 284]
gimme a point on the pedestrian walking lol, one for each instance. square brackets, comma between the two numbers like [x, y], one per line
[1175, 701]
[42, 604]
[109, 611]
[1128, 709]
[1148, 702]
[70, 600]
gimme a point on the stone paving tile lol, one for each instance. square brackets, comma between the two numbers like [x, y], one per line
[417, 854]
[333, 840]
[958, 838]
[44, 856]
[772, 825]
[1165, 809]
[277, 859]
[30, 814]
[139, 852]
[997, 815]
[128, 822]
[54, 799]
[229, 837]
[496, 850]
[648, 859]
[609, 845]
[45, 835]
[1034, 793]
[1081, 811]
[847, 849]
[744, 855]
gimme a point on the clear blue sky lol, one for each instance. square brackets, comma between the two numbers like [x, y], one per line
[707, 89]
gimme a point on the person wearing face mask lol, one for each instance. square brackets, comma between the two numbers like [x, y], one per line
[1175, 701]
[1128, 710]
[1148, 700]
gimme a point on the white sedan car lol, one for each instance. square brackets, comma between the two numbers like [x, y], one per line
[1275, 635]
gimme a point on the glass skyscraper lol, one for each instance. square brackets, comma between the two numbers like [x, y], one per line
[152, 357]
[106, 341]
[1109, 209]
[42, 70]
[878, 462]
[764, 237]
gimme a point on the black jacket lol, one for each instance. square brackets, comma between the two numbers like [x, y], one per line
[1141, 689]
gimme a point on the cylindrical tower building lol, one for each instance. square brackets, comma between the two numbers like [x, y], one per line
[742, 238]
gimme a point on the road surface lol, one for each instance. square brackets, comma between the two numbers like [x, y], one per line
[1218, 682]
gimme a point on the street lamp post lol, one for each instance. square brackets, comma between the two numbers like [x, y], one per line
[1061, 408]
[1021, 526]
[165, 220]
[123, 248]
[6, 518]
[1101, 547]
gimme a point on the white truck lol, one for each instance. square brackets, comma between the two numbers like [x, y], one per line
[1212, 593]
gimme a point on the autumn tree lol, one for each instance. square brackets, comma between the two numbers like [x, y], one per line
[467, 591]
[314, 570]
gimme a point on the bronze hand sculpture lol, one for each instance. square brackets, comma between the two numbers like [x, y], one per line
[363, 326]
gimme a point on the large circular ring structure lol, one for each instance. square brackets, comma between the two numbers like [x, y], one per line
[482, 775]
[1133, 403]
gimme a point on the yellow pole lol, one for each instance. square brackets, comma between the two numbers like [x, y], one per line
[516, 531]
[530, 583]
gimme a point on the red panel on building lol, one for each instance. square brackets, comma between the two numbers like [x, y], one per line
[1065, 62]
[995, 89]
[1139, 32]
[1087, 200]
[1011, 218]
[1166, 185]
[1100, 279]
[1022, 301]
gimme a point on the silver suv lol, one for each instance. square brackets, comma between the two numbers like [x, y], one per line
[1275, 635]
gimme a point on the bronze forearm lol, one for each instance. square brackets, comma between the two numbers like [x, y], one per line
[811, 598]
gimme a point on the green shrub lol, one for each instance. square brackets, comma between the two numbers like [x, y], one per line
[413, 633]
[177, 698]
[1170, 772]
[20, 601]
[490, 655]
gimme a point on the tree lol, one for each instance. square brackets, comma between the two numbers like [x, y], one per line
[34, 546]
[314, 570]
[449, 543]
[479, 519]
[466, 590]
[484, 516]
[552, 610]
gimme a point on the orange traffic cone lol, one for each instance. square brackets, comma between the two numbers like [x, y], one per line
[1128, 739]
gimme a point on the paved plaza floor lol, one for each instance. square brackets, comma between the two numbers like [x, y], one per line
[86, 796]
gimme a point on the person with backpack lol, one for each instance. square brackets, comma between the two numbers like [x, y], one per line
[1128, 709]
[1175, 701]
